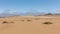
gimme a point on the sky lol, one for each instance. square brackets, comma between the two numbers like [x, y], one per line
[29, 6]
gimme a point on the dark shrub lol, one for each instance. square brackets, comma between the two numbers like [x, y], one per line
[4, 22]
[47, 23]
[22, 20]
[29, 20]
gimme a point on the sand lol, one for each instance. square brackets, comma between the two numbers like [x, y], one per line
[30, 25]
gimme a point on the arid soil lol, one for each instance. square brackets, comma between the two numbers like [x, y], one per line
[30, 25]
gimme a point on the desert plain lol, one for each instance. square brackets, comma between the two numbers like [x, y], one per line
[30, 25]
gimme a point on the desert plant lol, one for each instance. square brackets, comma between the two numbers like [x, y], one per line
[29, 20]
[47, 23]
[4, 22]
[22, 20]
[11, 22]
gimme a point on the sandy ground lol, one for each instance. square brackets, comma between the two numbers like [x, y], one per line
[30, 25]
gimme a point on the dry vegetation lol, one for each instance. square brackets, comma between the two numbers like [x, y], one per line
[48, 23]
[30, 25]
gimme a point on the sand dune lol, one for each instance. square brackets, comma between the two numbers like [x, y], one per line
[30, 25]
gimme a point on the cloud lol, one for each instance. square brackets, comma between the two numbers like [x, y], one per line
[10, 11]
[30, 11]
[57, 10]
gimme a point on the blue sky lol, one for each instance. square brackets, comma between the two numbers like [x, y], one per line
[33, 6]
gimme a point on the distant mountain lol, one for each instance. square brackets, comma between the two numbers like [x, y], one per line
[6, 15]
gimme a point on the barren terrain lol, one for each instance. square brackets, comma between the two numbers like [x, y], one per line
[30, 25]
